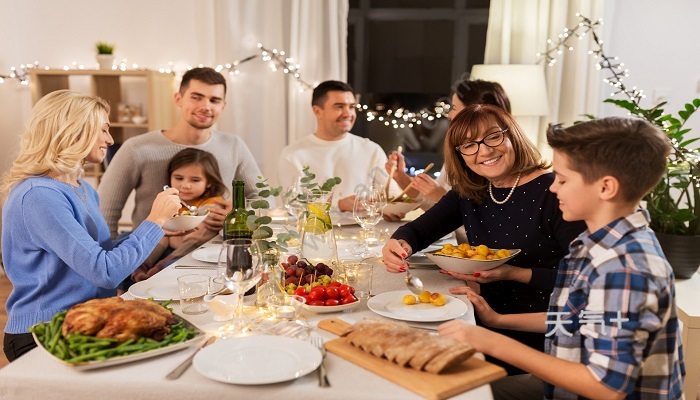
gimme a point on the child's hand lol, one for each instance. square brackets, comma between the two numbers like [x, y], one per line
[464, 332]
[482, 308]
[217, 213]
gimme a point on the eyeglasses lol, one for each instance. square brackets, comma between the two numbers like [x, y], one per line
[491, 140]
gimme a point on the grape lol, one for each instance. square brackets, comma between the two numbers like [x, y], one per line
[290, 271]
[310, 278]
[329, 271]
[291, 279]
[301, 264]
[292, 259]
[309, 269]
[299, 272]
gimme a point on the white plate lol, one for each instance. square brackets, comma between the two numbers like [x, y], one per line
[467, 265]
[257, 360]
[159, 292]
[390, 305]
[331, 309]
[87, 365]
[208, 254]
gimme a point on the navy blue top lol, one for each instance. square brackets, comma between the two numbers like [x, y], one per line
[530, 221]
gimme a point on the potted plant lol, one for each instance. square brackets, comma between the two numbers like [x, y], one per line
[105, 55]
[673, 203]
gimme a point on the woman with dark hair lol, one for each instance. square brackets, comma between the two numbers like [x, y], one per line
[425, 188]
[500, 194]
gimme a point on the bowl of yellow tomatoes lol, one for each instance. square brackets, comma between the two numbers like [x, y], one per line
[466, 259]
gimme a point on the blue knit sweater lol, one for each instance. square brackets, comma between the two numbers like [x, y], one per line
[57, 250]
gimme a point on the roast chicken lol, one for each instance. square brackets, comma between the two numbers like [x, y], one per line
[118, 319]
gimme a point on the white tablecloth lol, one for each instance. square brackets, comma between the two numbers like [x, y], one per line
[37, 376]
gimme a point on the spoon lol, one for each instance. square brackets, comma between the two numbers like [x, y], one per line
[193, 209]
[414, 284]
[210, 297]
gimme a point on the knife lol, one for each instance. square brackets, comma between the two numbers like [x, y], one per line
[174, 374]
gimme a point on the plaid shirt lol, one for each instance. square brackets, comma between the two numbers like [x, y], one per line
[613, 310]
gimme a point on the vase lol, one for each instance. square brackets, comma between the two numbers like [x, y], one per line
[317, 236]
[272, 281]
[105, 61]
[681, 252]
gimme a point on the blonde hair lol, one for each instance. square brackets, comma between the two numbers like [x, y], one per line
[62, 129]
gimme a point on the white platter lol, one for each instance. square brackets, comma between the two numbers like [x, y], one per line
[208, 254]
[87, 365]
[257, 360]
[158, 291]
[390, 305]
[331, 309]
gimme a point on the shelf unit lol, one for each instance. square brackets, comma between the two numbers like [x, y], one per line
[152, 90]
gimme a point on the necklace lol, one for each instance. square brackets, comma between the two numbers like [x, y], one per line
[512, 190]
[82, 196]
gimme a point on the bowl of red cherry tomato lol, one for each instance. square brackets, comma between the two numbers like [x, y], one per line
[334, 297]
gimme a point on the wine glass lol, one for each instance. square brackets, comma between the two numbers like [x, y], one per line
[241, 267]
[295, 200]
[367, 211]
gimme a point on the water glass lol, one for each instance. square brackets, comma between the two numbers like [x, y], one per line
[192, 290]
[359, 276]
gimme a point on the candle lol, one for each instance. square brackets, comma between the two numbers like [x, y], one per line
[286, 312]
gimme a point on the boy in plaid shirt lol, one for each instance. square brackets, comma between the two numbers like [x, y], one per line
[612, 329]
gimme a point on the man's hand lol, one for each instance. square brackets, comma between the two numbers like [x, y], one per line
[393, 217]
[347, 203]
[428, 187]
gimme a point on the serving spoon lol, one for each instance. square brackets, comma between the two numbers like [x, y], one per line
[193, 209]
[414, 284]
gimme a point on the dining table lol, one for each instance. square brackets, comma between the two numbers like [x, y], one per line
[36, 375]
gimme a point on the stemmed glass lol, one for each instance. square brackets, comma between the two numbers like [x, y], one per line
[294, 202]
[241, 267]
[367, 211]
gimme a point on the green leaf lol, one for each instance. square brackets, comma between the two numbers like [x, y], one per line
[275, 191]
[683, 114]
[260, 185]
[260, 234]
[696, 102]
[264, 193]
[258, 204]
[263, 220]
[268, 230]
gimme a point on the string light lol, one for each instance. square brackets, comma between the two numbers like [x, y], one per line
[681, 158]
[402, 117]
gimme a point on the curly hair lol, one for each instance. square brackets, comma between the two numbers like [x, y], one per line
[63, 128]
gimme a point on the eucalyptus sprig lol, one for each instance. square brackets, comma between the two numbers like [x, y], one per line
[258, 225]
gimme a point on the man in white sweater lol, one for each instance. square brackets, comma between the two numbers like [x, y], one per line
[141, 163]
[332, 150]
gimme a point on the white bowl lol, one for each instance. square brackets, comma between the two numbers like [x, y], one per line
[184, 222]
[331, 309]
[139, 119]
[400, 207]
[467, 265]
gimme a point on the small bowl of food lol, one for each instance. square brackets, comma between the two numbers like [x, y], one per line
[184, 222]
[466, 259]
[401, 206]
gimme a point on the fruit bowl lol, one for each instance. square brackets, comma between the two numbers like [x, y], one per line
[400, 207]
[184, 222]
[331, 309]
[467, 265]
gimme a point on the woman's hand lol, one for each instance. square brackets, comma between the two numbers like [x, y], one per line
[393, 253]
[165, 206]
[428, 187]
[393, 217]
[503, 272]
[481, 307]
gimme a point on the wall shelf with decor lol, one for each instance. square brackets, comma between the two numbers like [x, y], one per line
[140, 100]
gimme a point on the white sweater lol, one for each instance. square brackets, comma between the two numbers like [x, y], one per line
[355, 160]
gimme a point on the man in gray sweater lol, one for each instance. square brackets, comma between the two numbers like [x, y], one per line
[142, 161]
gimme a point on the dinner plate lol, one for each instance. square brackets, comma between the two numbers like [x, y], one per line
[208, 254]
[158, 291]
[331, 309]
[390, 305]
[257, 360]
[88, 365]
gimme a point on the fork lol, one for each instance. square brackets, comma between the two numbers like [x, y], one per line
[322, 377]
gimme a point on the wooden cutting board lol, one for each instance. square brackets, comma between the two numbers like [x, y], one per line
[468, 375]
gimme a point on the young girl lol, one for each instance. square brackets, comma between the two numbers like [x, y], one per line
[195, 174]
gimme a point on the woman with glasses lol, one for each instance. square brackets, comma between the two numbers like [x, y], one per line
[500, 194]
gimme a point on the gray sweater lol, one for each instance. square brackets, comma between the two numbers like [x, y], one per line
[141, 164]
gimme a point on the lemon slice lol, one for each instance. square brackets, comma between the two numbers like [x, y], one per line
[316, 225]
[320, 209]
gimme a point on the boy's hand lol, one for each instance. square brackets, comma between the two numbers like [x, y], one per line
[464, 332]
[482, 308]
[503, 272]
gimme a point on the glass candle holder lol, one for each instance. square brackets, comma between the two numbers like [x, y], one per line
[284, 306]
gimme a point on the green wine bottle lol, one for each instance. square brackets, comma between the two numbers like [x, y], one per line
[235, 226]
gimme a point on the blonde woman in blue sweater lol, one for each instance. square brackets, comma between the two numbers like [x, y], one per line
[57, 250]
